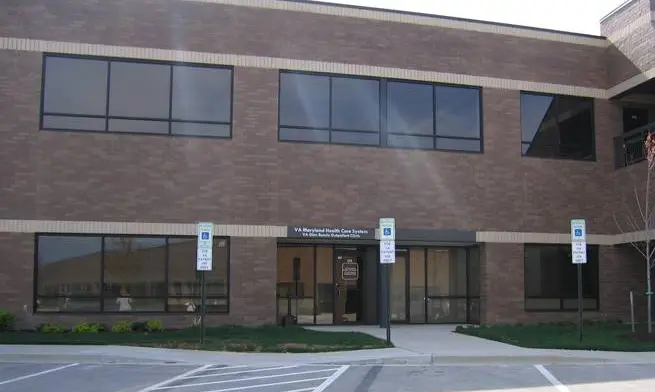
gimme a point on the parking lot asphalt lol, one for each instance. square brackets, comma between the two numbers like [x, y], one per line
[79, 377]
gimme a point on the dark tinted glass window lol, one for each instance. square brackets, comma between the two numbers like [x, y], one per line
[93, 94]
[410, 108]
[555, 126]
[551, 278]
[458, 112]
[202, 94]
[355, 104]
[139, 90]
[308, 114]
[68, 271]
[75, 86]
[304, 101]
[379, 112]
[138, 274]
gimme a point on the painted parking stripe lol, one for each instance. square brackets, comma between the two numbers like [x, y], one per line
[37, 374]
[173, 379]
[553, 380]
[241, 372]
[331, 379]
[270, 385]
[198, 384]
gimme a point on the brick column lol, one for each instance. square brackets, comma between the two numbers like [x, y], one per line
[502, 290]
[253, 269]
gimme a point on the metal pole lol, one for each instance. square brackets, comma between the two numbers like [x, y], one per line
[202, 307]
[580, 302]
[388, 315]
[632, 310]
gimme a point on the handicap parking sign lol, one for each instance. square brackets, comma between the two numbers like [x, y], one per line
[578, 232]
[387, 231]
[204, 235]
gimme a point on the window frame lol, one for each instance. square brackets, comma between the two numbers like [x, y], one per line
[383, 114]
[556, 98]
[561, 298]
[329, 128]
[107, 117]
[101, 297]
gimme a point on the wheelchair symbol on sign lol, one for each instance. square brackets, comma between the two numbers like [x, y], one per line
[578, 232]
[204, 235]
[387, 231]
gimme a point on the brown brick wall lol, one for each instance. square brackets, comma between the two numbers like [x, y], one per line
[253, 179]
[630, 52]
[243, 30]
[503, 290]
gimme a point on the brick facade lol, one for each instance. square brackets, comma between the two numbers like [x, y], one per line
[253, 179]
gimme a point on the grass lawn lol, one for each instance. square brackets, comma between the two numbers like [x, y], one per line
[228, 338]
[596, 336]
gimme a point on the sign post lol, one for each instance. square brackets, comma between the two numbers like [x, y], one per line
[579, 257]
[205, 232]
[387, 257]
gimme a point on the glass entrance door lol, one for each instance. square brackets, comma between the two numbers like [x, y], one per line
[398, 286]
[347, 285]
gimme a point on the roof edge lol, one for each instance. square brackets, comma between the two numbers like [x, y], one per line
[453, 18]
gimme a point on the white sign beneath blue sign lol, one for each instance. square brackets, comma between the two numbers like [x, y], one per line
[578, 241]
[205, 244]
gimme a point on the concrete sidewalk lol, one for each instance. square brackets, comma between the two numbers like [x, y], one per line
[442, 345]
[415, 344]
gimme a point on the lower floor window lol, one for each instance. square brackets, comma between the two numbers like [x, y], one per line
[106, 273]
[551, 278]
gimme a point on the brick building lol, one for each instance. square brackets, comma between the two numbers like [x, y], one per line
[294, 126]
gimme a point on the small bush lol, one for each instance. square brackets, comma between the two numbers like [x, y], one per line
[139, 326]
[6, 320]
[85, 327]
[122, 326]
[154, 326]
[51, 328]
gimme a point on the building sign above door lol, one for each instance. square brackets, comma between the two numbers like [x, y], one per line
[330, 233]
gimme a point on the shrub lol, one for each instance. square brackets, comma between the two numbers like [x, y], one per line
[84, 327]
[122, 326]
[51, 328]
[6, 320]
[139, 326]
[154, 326]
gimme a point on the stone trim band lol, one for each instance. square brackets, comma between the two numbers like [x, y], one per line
[148, 228]
[32, 45]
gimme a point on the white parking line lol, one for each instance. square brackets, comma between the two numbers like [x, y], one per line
[331, 379]
[240, 372]
[553, 380]
[37, 374]
[198, 384]
[173, 379]
[270, 385]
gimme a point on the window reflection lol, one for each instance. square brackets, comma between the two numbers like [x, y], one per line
[140, 97]
[551, 278]
[556, 126]
[410, 107]
[304, 100]
[133, 270]
[139, 90]
[458, 111]
[355, 104]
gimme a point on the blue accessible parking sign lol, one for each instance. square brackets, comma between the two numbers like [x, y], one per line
[205, 235]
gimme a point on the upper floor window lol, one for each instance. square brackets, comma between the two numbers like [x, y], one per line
[118, 95]
[329, 109]
[557, 126]
[378, 112]
[425, 115]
